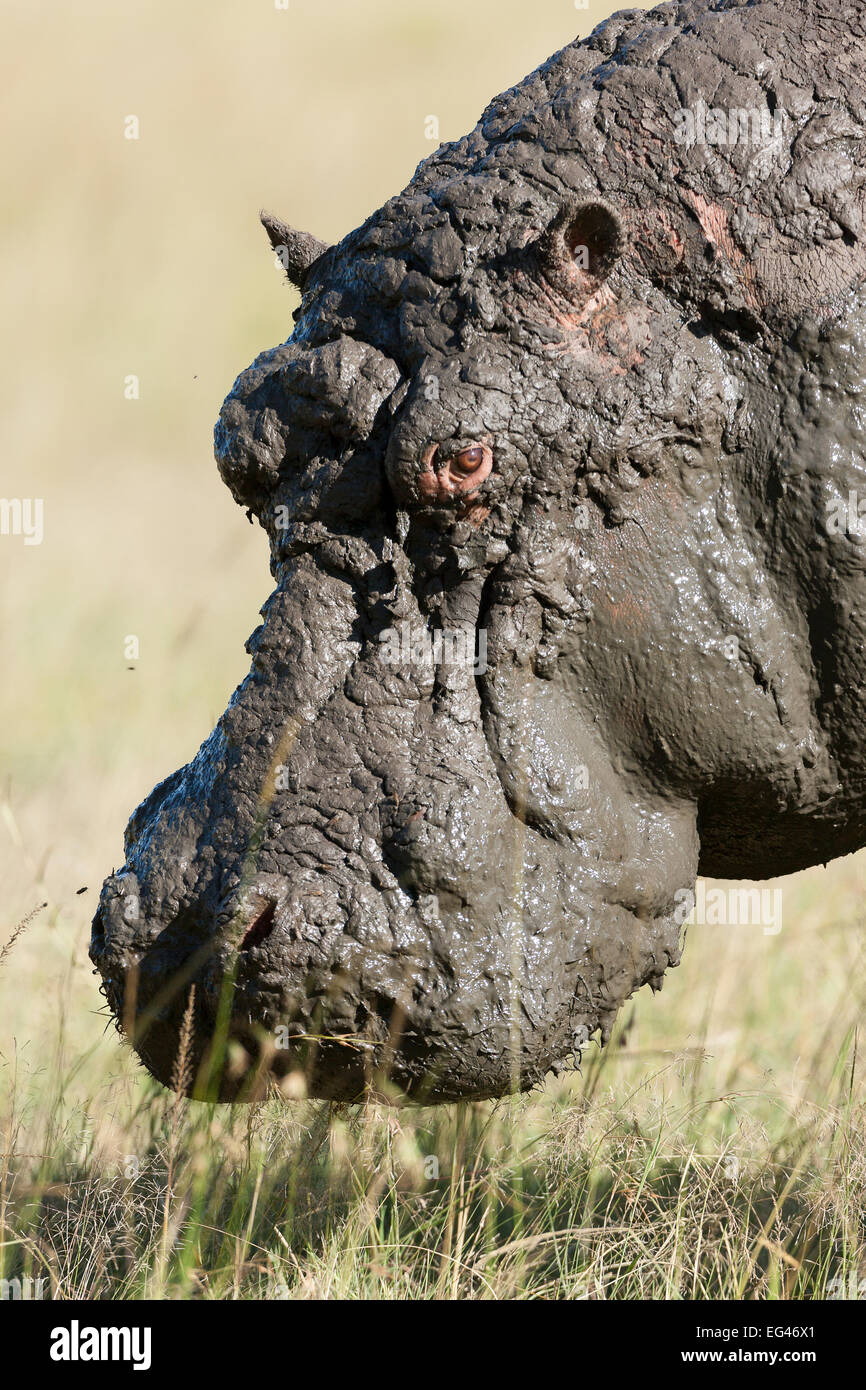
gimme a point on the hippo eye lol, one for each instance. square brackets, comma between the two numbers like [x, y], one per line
[469, 460]
[445, 476]
[582, 244]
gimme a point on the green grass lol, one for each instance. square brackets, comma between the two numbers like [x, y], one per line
[655, 1172]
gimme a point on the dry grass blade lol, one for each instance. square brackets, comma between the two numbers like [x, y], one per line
[19, 931]
[181, 1072]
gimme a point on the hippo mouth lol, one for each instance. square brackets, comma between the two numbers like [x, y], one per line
[206, 1020]
[219, 1021]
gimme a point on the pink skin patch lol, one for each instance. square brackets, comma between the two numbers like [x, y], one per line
[460, 475]
[716, 227]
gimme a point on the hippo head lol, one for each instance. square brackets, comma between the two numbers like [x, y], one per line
[546, 468]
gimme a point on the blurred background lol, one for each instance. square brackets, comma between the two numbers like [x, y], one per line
[143, 258]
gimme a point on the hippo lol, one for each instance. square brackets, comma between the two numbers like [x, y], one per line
[560, 470]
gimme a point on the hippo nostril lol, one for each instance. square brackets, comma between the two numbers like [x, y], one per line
[260, 927]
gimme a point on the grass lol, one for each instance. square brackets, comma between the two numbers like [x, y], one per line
[716, 1148]
[663, 1169]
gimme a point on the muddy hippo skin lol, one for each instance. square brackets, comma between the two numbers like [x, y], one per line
[587, 392]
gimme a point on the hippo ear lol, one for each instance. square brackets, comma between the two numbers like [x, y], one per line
[297, 250]
[582, 245]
